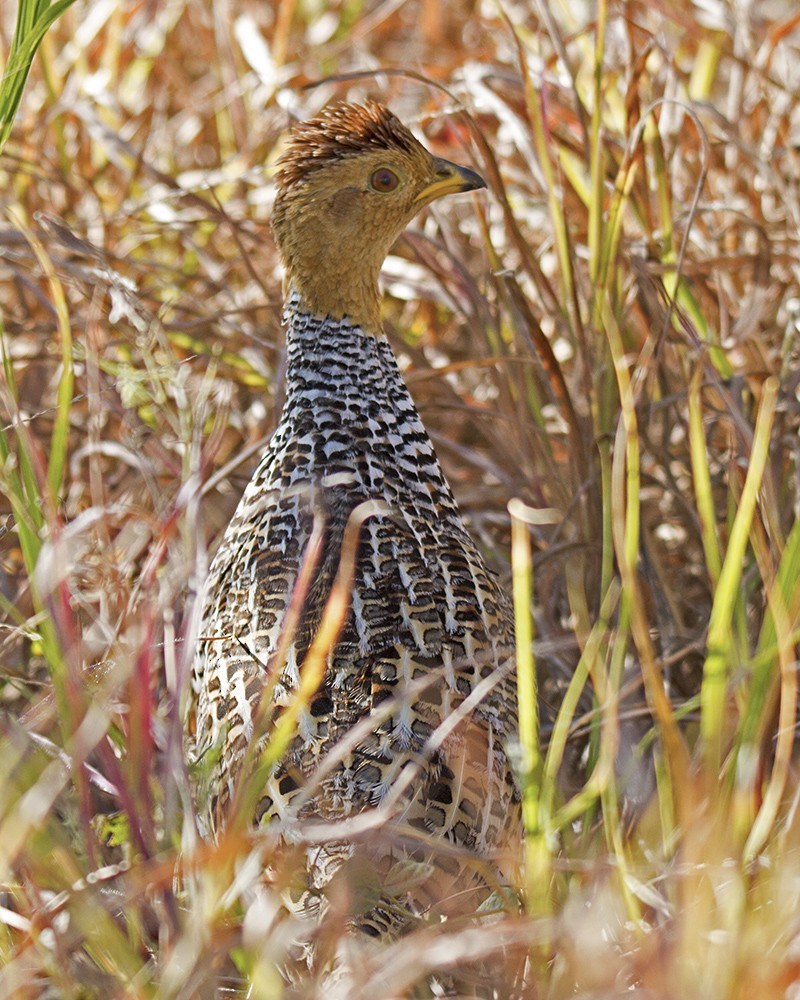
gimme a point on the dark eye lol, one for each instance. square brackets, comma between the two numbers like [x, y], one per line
[383, 179]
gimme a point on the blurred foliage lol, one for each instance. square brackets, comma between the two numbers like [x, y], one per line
[610, 336]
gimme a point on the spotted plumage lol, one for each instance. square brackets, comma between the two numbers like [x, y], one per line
[426, 622]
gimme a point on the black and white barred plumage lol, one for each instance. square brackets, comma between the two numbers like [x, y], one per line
[422, 601]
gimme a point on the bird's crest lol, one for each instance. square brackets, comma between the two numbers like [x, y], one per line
[340, 131]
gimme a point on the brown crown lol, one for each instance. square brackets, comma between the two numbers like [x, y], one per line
[341, 131]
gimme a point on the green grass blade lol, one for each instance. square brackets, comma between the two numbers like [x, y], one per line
[33, 21]
[720, 638]
[702, 480]
[522, 570]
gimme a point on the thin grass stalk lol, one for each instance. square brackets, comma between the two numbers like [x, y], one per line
[597, 151]
[746, 771]
[739, 628]
[496, 268]
[591, 666]
[654, 145]
[141, 748]
[536, 118]
[782, 612]
[327, 634]
[625, 496]
[704, 69]
[283, 24]
[22, 485]
[528, 259]
[538, 857]
[702, 479]
[14, 482]
[623, 185]
[671, 257]
[73, 711]
[23, 478]
[607, 514]
[720, 637]
[676, 754]
[57, 458]
[757, 710]
[518, 305]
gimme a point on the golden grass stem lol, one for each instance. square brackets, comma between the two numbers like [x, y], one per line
[591, 666]
[625, 482]
[777, 641]
[533, 102]
[538, 861]
[597, 162]
[718, 663]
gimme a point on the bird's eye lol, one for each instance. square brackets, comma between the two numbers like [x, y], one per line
[384, 180]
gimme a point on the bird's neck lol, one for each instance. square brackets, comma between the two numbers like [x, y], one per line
[340, 291]
[348, 411]
[338, 355]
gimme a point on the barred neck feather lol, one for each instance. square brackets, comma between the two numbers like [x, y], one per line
[348, 411]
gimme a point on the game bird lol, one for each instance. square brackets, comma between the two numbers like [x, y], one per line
[347, 591]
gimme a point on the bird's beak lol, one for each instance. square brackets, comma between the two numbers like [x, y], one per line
[450, 179]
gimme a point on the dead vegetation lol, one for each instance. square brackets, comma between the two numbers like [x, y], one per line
[611, 336]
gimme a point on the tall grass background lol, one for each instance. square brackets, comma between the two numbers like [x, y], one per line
[609, 339]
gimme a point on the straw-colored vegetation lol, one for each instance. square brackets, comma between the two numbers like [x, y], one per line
[610, 337]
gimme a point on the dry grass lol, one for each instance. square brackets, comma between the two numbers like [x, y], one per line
[611, 336]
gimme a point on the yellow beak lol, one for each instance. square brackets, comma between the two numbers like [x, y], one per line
[450, 179]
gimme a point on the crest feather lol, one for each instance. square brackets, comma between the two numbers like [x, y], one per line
[340, 131]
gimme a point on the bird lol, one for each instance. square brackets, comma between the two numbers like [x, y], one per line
[423, 645]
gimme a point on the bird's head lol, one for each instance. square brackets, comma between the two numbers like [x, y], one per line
[350, 182]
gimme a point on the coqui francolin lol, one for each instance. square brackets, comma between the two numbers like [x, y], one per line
[424, 645]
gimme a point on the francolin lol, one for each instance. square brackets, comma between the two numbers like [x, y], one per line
[423, 643]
